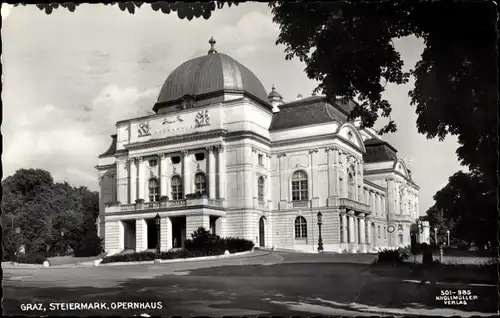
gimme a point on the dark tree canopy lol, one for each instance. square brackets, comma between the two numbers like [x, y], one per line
[467, 208]
[42, 209]
[185, 10]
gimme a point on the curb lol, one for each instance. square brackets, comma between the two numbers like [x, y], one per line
[180, 260]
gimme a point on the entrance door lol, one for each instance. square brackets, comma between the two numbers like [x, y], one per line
[262, 239]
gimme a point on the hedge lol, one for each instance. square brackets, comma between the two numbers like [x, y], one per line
[396, 256]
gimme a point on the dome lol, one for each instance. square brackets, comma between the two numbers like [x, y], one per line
[211, 73]
[274, 94]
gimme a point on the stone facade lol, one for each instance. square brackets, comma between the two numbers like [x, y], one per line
[240, 167]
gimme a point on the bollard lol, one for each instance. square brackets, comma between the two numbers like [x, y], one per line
[226, 252]
[46, 264]
[441, 255]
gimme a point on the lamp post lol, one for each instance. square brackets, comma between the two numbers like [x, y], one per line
[62, 241]
[18, 231]
[157, 222]
[320, 239]
[448, 235]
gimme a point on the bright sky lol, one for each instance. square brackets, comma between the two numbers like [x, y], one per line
[68, 77]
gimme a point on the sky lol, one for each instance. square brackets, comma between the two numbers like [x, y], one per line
[69, 77]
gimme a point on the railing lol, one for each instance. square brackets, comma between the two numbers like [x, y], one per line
[166, 204]
[357, 206]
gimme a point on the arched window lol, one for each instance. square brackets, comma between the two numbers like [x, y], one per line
[350, 186]
[154, 195]
[300, 227]
[299, 186]
[200, 183]
[260, 189]
[177, 188]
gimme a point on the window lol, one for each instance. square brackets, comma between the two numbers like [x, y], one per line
[261, 160]
[175, 160]
[153, 163]
[177, 188]
[385, 233]
[199, 156]
[200, 183]
[154, 196]
[350, 189]
[299, 186]
[300, 227]
[400, 238]
[400, 227]
[379, 232]
[260, 189]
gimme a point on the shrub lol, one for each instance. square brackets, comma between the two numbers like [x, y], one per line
[133, 257]
[35, 258]
[236, 244]
[393, 256]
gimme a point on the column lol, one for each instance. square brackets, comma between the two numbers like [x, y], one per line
[212, 190]
[267, 184]
[132, 168]
[121, 181]
[164, 234]
[369, 235]
[163, 175]
[186, 172]
[362, 232]
[222, 172]
[331, 174]
[141, 180]
[344, 233]
[220, 226]
[141, 237]
[350, 218]
[168, 233]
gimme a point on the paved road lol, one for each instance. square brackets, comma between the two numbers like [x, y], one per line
[257, 284]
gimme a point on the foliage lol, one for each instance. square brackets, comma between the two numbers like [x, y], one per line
[202, 239]
[42, 210]
[150, 256]
[188, 10]
[396, 256]
[35, 258]
[466, 208]
[197, 195]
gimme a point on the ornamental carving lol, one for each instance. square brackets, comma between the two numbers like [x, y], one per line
[283, 154]
[313, 150]
[201, 119]
[187, 102]
[144, 129]
[166, 121]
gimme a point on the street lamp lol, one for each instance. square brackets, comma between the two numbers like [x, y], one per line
[62, 241]
[157, 222]
[18, 231]
[448, 234]
[320, 239]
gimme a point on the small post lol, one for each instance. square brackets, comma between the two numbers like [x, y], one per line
[18, 231]
[448, 234]
[441, 254]
[157, 223]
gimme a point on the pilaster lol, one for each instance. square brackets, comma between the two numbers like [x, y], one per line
[163, 175]
[221, 160]
[132, 162]
[142, 178]
[212, 191]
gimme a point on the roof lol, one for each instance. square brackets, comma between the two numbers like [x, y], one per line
[274, 93]
[210, 73]
[378, 150]
[309, 111]
[112, 148]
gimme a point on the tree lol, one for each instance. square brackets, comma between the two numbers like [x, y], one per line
[467, 209]
[43, 209]
[348, 47]
[188, 10]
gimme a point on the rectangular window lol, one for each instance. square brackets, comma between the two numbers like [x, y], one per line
[261, 160]
[400, 238]
[385, 233]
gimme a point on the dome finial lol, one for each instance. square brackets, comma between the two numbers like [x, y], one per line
[212, 44]
[273, 88]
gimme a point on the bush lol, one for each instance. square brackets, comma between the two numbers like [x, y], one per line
[396, 256]
[35, 258]
[133, 257]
